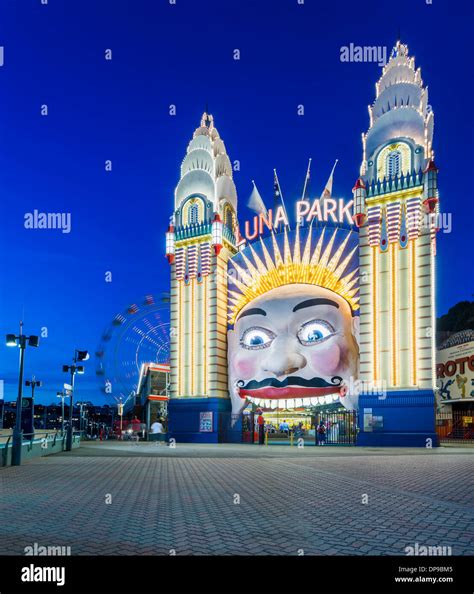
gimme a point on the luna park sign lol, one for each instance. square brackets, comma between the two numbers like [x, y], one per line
[335, 210]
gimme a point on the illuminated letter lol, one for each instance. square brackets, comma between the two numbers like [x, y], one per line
[315, 211]
[255, 229]
[238, 238]
[267, 221]
[279, 218]
[330, 211]
[345, 210]
[302, 209]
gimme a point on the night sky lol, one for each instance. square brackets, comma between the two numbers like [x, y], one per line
[182, 54]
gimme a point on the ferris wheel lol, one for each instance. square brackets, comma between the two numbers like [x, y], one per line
[139, 334]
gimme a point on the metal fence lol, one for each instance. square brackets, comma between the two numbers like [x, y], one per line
[340, 427]
[456, 426]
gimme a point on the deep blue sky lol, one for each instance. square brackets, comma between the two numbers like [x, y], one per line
[118, 110]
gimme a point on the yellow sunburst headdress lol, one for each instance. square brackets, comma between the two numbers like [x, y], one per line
[306, 266]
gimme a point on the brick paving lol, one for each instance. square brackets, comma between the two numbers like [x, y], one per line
[239, 500]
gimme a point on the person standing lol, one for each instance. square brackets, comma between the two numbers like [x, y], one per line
[321, 433]
[285, 428]
[157, 431]
[261, 427]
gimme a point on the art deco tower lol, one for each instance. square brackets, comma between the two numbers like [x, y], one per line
[393, 199]
[199, 241]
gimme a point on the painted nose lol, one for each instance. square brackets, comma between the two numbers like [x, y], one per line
[283, 360]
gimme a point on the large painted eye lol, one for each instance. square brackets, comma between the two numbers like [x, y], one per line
[314, 332]
[256, 338]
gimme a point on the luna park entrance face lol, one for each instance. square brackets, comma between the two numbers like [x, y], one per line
[314, 427]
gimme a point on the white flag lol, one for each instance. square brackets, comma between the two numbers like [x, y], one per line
[327, 192]
[256, 203]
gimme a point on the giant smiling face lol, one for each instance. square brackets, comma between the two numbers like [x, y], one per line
[296, 342]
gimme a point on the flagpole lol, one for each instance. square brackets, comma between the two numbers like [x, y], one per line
[281, 196]
[330, 179]
[306, 180]
[327, 192]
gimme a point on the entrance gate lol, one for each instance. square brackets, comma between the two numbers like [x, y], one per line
[341, 427]
[456, 426]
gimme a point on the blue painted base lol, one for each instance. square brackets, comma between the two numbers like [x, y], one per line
[184, 419]
[408, 419]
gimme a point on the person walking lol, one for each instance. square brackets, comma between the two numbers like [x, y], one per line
[261, 427]
[135, 425]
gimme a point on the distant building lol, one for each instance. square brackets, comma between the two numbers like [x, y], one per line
[153, 393]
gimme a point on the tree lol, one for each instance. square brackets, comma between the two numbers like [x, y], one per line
[459, 317]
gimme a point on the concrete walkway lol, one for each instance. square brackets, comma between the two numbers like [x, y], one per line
[229, 450]
[120, 498]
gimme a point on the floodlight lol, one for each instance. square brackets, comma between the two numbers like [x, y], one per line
[11, 340]
[33, 341]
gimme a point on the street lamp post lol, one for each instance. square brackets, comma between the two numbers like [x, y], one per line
[81, 416]
[120, 412]
[81, 413]
[20, 341]
[34, 383]
[62, 395]
[73, 369]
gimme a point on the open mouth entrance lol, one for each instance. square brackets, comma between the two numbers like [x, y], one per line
[326, 424]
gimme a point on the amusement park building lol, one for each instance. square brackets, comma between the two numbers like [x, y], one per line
[388, 289]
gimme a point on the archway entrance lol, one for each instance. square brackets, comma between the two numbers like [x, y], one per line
[328, 426]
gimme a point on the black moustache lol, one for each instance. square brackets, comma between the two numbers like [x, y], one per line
[315, 382]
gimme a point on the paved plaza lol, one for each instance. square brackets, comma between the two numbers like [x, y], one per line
[119, 498]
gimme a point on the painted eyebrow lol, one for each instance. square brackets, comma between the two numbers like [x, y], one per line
[311, 302]
[253, 312]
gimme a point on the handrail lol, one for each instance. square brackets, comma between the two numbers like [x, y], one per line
[32, 436]
[39, 435]
[31, 440]
[5, 452]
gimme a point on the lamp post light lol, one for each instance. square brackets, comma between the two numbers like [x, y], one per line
[19, 341]
[81, 415]
[62, 395]
[120, 412]
[34, 383]
[79, 404]
[73, 369]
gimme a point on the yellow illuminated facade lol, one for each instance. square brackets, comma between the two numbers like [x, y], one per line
[394, 196]
[221, 360]
[200, 240]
